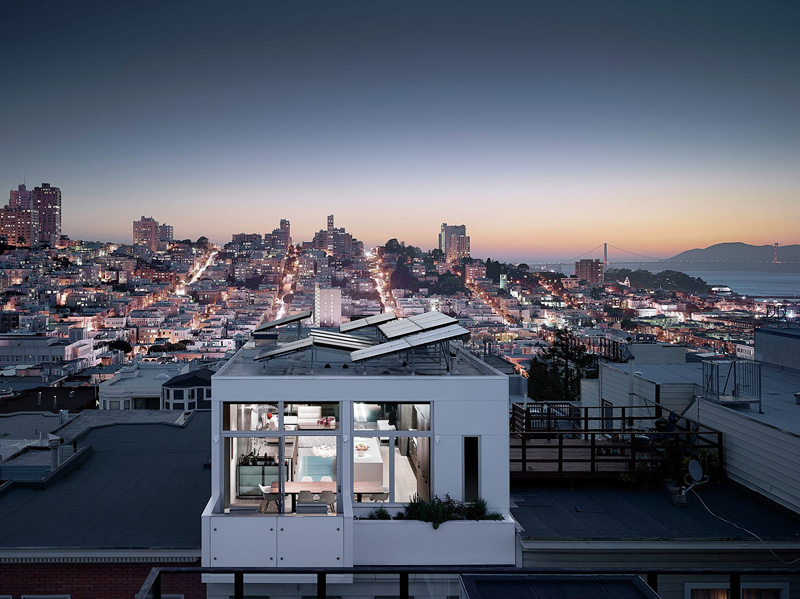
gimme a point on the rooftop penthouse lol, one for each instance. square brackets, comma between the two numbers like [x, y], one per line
[312, 432]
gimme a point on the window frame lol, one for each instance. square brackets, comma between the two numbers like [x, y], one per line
[783, 587]
[392, 435]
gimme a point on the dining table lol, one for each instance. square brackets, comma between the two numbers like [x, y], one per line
[293, 488]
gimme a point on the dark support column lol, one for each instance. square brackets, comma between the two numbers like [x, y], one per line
[238, 585]
[322, 591]
[404, 585]
[652, 581]
[736, 586]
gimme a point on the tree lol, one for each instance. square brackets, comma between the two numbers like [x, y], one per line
[555, 374]
[121, 345]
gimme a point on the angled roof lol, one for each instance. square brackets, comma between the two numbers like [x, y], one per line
[194, 378]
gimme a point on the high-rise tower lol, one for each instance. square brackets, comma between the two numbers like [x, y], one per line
[47, 201]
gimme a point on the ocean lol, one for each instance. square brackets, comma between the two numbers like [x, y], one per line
[761, 284]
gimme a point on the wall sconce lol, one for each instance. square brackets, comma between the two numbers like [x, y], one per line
[436, 438]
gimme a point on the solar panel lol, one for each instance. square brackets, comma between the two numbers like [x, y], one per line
[399, 328]
[341, 344]
[337, 339]
[284, 320]
[321, 334]
[421, 339]
[288, 348]
[416, 324]
[436, 336]
[369, 321]
[383, 349]
[429, 320]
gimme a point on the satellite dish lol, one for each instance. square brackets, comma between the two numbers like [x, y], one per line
[696, 471]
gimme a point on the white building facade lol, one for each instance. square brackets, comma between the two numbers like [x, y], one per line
[306, 446]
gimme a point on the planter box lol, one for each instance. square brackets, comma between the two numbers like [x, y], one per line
[414, 543]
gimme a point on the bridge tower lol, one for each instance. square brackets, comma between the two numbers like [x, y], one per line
[775, 257]
[605, 257]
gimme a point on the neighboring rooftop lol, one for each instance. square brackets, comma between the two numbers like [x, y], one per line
[158, 470]
[778, 388]
[605, 512]
[73, 399]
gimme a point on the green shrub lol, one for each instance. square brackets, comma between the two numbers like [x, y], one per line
[437, 510]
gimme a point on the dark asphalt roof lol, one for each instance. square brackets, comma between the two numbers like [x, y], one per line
[144, 486]
[195, 378]
[607, 512]
[28, 401]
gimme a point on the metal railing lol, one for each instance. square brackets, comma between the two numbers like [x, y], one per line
[152, 587]
[571, 441]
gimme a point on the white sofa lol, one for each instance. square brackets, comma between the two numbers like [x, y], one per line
[310, 417]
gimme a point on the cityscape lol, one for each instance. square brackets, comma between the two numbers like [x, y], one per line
[367, 301]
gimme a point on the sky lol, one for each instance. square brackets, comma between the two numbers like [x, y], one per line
[545, 127]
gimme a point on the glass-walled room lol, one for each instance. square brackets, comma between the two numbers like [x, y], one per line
[285, 457]
[282, 457]
[391, 452]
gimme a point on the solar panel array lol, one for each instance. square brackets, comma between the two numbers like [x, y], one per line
[415, 324]
[318, 338]
[369, 321]
[440, 335]
[284, 320]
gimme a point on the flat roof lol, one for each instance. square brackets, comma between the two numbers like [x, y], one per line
[110, 503]
[597, 511]
[778, 386]
[299, 363]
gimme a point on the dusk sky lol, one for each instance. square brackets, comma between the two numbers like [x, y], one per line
[546, 128]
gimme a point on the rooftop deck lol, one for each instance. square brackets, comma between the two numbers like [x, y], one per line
[565, 441]
[317, 361]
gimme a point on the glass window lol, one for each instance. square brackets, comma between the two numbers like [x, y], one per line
[411, 468]
[317, 416]
[250, 417]
[177, 405]
[471, 461]
[392, 416]
[177, 394]
[113, 405]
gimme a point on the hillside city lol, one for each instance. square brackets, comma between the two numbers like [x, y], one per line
[75, 312]
[173, 411]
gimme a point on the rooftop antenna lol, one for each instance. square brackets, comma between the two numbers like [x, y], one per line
[693, 478]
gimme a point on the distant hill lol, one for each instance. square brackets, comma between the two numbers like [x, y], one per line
[737, 256]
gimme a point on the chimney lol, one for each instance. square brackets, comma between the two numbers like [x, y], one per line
[53, 445]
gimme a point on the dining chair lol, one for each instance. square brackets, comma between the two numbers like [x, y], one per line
[329, 498]
[305, 497]
[307, 479]
[326, 479]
